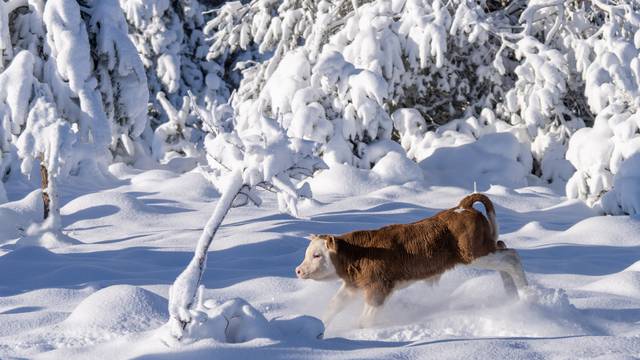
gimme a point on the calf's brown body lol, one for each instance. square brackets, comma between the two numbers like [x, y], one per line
[377, 261]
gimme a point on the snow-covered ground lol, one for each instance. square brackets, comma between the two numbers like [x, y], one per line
[106, 296]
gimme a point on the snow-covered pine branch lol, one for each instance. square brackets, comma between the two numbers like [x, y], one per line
[16, 89]
[121, 78]
[243, 161]
[71, 66]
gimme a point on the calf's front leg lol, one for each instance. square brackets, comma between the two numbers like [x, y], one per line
[374, 297]
[368, 317]
[338, 302]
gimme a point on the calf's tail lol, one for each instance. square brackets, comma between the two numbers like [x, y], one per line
[467, 203]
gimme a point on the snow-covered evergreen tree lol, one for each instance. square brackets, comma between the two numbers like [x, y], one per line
[477, 67]
[71, 72]
[82, 52]
[16, 77]
[170, 41]
[607, 156]
[94, 64]
[537, 105]
[333, 73]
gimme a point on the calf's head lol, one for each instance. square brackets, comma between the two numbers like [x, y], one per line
[317, 264]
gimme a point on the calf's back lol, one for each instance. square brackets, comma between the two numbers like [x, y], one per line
[406, 252]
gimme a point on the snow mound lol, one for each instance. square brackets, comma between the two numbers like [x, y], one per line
[343, 179]
[633, 267]
[233, 321]
[46, 234]
[171, 184]
[391, 169]
[621, 231]
[15, 216]
[624, 283]
[396, 169]
[493, 159]
[102, 205]
[306, 327]
[236, 321]
[119, 309]
[46, 238]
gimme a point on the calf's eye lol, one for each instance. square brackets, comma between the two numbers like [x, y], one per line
[315, 256]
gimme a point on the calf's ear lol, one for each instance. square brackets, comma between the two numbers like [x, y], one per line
[331, 243]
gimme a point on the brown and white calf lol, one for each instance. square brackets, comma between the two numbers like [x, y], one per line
[377, 262]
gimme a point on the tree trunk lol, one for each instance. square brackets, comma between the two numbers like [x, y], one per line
[46, 199]
[184, 290]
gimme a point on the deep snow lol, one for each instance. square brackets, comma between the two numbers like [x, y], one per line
[106, 297]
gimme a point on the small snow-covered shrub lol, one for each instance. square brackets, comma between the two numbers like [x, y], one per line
[333, 104]
[241, 161]
[172, 139]
[47, 140]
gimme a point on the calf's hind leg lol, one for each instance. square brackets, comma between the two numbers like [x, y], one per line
[507, 262]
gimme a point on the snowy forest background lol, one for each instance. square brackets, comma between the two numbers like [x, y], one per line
[121, 115]
[177, 83]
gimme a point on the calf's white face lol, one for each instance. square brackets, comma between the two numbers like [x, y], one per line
[317, 264]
